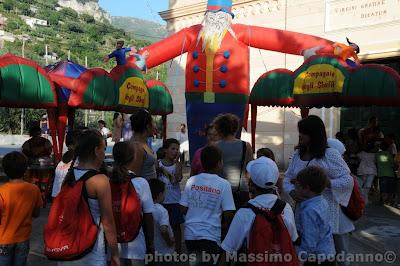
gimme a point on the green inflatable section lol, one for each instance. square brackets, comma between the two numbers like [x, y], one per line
[160, 100]
[101, 92]
[23, 83]
[276, 85]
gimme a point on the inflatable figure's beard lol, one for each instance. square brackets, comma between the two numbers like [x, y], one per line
[214, 29]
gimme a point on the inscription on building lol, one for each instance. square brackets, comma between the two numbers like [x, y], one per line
[343, 14]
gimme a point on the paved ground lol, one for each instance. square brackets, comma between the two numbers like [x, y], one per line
[377, 237]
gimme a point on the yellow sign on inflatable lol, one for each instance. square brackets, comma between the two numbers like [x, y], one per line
[319, 79]
[133, 92]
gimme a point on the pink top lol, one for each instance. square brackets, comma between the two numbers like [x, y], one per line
[197, 167]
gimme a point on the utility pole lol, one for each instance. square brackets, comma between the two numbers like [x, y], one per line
[23, 47]
[47, 55]
[86, 111]
[69, 54]
[22, 109]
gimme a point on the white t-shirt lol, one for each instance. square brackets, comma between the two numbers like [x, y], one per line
[206, 196]
[59, 176]
[367, 164]
[183, 140]
[161, 218]
[104, 132]
[137, 248]
[242, 223]
[172, 191]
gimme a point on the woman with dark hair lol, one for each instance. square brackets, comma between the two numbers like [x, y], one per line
[143, 128]
[313, 150]
[90, 153]
[118, 123]
[124, 160]
[235, 154]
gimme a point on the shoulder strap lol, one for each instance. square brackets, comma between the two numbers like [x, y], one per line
[276, 209]
[244, 149]
[88, 175]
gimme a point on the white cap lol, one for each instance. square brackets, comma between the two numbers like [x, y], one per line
[337, 145]
[263, 172]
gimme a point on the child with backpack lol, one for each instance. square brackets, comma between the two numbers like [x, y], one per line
[132, 207]
[386, 170]
[171, 174]
[163, 236]
[266, 224]
[20, 201]
[208, 204]
[81, 222]
[316, 245]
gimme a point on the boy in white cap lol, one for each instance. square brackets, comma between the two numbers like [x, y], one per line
[263, 177]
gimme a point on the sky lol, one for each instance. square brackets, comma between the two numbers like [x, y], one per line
[144, 9]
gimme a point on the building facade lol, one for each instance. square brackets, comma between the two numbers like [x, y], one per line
[373, 24]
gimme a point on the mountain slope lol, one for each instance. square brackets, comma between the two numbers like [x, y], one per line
[142, 29]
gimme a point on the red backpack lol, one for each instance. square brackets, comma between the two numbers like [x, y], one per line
[70, 232]
[270, 238]
[127, 211]
[355, 209]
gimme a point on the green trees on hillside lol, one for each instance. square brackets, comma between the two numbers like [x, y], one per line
[68, 32]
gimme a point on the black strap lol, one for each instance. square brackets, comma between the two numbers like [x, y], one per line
[276, 209]
[89, 174]
[244, 149]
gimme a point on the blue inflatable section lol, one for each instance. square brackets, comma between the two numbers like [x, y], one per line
[69, 69]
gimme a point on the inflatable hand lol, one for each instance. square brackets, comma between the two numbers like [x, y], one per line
[307, 53]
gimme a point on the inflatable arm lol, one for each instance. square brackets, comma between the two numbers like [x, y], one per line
[280, 40]
[171, 47]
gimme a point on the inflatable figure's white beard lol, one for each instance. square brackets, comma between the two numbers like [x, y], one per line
[214, 29]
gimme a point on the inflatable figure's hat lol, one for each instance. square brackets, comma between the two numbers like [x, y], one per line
[220, 5]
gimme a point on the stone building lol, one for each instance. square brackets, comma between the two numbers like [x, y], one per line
[373, 24]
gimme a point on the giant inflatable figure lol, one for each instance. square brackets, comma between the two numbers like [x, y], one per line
[217, 68]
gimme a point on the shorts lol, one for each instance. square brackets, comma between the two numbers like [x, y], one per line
[175, 214]
[387, 184]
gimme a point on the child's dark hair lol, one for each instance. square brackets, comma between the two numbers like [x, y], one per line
[384, 145]
[70, 141]
[35, 131]
[116, 115]
[141, 120]
[102, 122]
[313, 177]
[156, 186]
[169, 142]
[210, 157]
[161, 153]
[123, 153]
[267, 153]
[15, 164]
[87, 142]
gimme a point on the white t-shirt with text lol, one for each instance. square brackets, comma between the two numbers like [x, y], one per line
[206, 196]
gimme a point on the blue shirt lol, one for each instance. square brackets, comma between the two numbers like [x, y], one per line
[312, 224]
[119, 55]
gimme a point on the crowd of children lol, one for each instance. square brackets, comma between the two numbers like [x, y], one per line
[134, 217]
